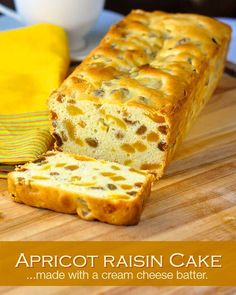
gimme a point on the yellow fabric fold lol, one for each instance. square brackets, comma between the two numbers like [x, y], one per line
[33, 62]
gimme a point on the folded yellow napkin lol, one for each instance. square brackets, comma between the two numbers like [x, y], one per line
[33, 61]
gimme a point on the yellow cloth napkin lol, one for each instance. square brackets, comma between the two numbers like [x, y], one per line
[33, 61]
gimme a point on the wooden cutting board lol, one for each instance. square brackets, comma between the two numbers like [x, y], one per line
[195, 200]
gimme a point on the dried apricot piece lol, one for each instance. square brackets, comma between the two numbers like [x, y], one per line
[108, 174]
[46, 167]
[127, 148]
[60, 165]
[79, 141]
[82, 124]
[74, 111]
[117, 121]
[71, 167]
[138, 145]
[118, 178]
[84, 183]
[152, 137]
[70, 129]
[126, 186]
[83, 158]
[115, 167]
[137, 171]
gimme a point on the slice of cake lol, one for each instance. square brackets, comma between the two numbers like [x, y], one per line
[93, 189]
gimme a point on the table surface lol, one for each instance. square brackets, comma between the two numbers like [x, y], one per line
[195, 200]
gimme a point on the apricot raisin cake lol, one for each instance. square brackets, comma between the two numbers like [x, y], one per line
[68, 183]
[136, 95]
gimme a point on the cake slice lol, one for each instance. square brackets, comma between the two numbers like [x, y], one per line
[93, 189]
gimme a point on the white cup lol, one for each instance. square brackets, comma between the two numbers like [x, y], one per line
[77, 17]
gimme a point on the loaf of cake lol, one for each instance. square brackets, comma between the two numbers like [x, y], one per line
[93, 189]
[136, 95]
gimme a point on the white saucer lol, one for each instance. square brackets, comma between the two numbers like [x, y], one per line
[106, 19]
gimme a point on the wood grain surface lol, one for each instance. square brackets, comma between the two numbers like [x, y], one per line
[195, 200]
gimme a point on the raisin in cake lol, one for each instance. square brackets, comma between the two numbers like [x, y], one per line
[136, 95]
[93, 189]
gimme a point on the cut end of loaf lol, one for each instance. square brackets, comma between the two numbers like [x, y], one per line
[95, 190]
[124, 133]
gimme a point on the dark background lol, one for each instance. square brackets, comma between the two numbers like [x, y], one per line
[207, 7]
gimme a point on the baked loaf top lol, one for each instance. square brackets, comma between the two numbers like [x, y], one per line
[149, 59]
[71, 183]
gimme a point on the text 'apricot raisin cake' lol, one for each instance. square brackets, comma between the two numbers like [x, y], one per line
[136, 95]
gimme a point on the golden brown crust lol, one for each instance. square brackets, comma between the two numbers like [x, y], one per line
[119, 211]
[172, 49]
